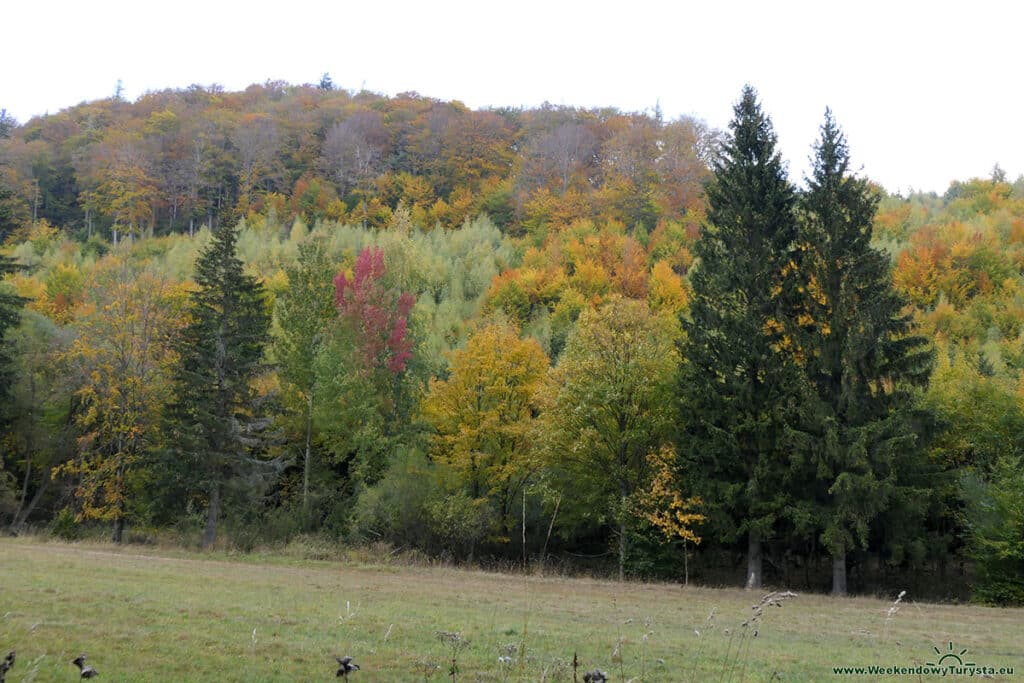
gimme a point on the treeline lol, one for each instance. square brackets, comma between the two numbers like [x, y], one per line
[746, 383]
[177, 159]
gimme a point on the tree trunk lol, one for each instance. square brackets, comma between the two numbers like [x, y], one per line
[24, 491]
[622, 548]
[30, 446]
[119, 520]
[24, 513]
[754, 561]
[839, 573]
[524, 528]
[211, 517]
[305, 465]
[686, 563]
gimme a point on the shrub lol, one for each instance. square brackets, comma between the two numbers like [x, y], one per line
[66, 526]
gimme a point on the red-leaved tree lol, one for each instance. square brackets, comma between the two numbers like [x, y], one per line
[378, 316]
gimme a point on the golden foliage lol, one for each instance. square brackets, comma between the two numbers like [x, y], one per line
[482, 414]
[663, 505]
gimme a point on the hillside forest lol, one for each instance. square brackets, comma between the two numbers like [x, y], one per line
[585, 339]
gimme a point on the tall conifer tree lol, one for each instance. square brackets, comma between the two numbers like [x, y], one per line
[863, 358]
[739, 383]
[221, 352]
[10, 313]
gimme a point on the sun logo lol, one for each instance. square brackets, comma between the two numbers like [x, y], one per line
[950, 654]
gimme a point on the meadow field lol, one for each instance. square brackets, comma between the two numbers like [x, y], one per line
[147, 615]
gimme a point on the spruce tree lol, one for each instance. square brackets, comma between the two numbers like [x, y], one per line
[739, 383]
[221, 353]
[10, 313]
[863, 358]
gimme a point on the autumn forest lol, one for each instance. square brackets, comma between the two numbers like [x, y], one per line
[586, 339]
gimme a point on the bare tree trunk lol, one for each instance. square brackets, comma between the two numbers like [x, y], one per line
[24, 492]
[544, 551]
[686, 563]
[754, 561]
[211, 517]
[24, 513]
[28, 454]
[119, 520]
[524, 527]
[305, 466]
[622, 549]
[839, 573]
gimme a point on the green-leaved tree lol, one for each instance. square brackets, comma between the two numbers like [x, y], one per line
[303, 313]
[609, 409]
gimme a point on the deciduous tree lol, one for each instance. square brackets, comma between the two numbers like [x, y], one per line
[483, 413]
[362, 366]
[609, 408]
[123, 357]
[303, 313]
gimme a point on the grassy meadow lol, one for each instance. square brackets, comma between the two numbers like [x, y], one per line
[146, 615]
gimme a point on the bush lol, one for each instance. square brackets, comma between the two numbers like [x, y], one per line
[66, 526]
[394, 509]
[313, 547]
[460, 522]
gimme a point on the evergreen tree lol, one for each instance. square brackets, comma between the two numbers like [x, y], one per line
[10, 313]
[739, 384]
[863, 358]
[221, 351]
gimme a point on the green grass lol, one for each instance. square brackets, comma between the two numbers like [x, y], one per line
[171, 616]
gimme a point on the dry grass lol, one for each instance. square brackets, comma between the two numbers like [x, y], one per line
[153, 616]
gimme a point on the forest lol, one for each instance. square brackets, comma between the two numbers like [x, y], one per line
[582, 338]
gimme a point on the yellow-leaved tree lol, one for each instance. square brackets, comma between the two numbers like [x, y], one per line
[664, 506]
[483, 414]
[122, 358]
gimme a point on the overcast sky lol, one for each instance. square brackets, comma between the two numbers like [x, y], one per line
[927, 92]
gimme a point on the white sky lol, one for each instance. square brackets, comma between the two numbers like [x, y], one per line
[927, 92]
